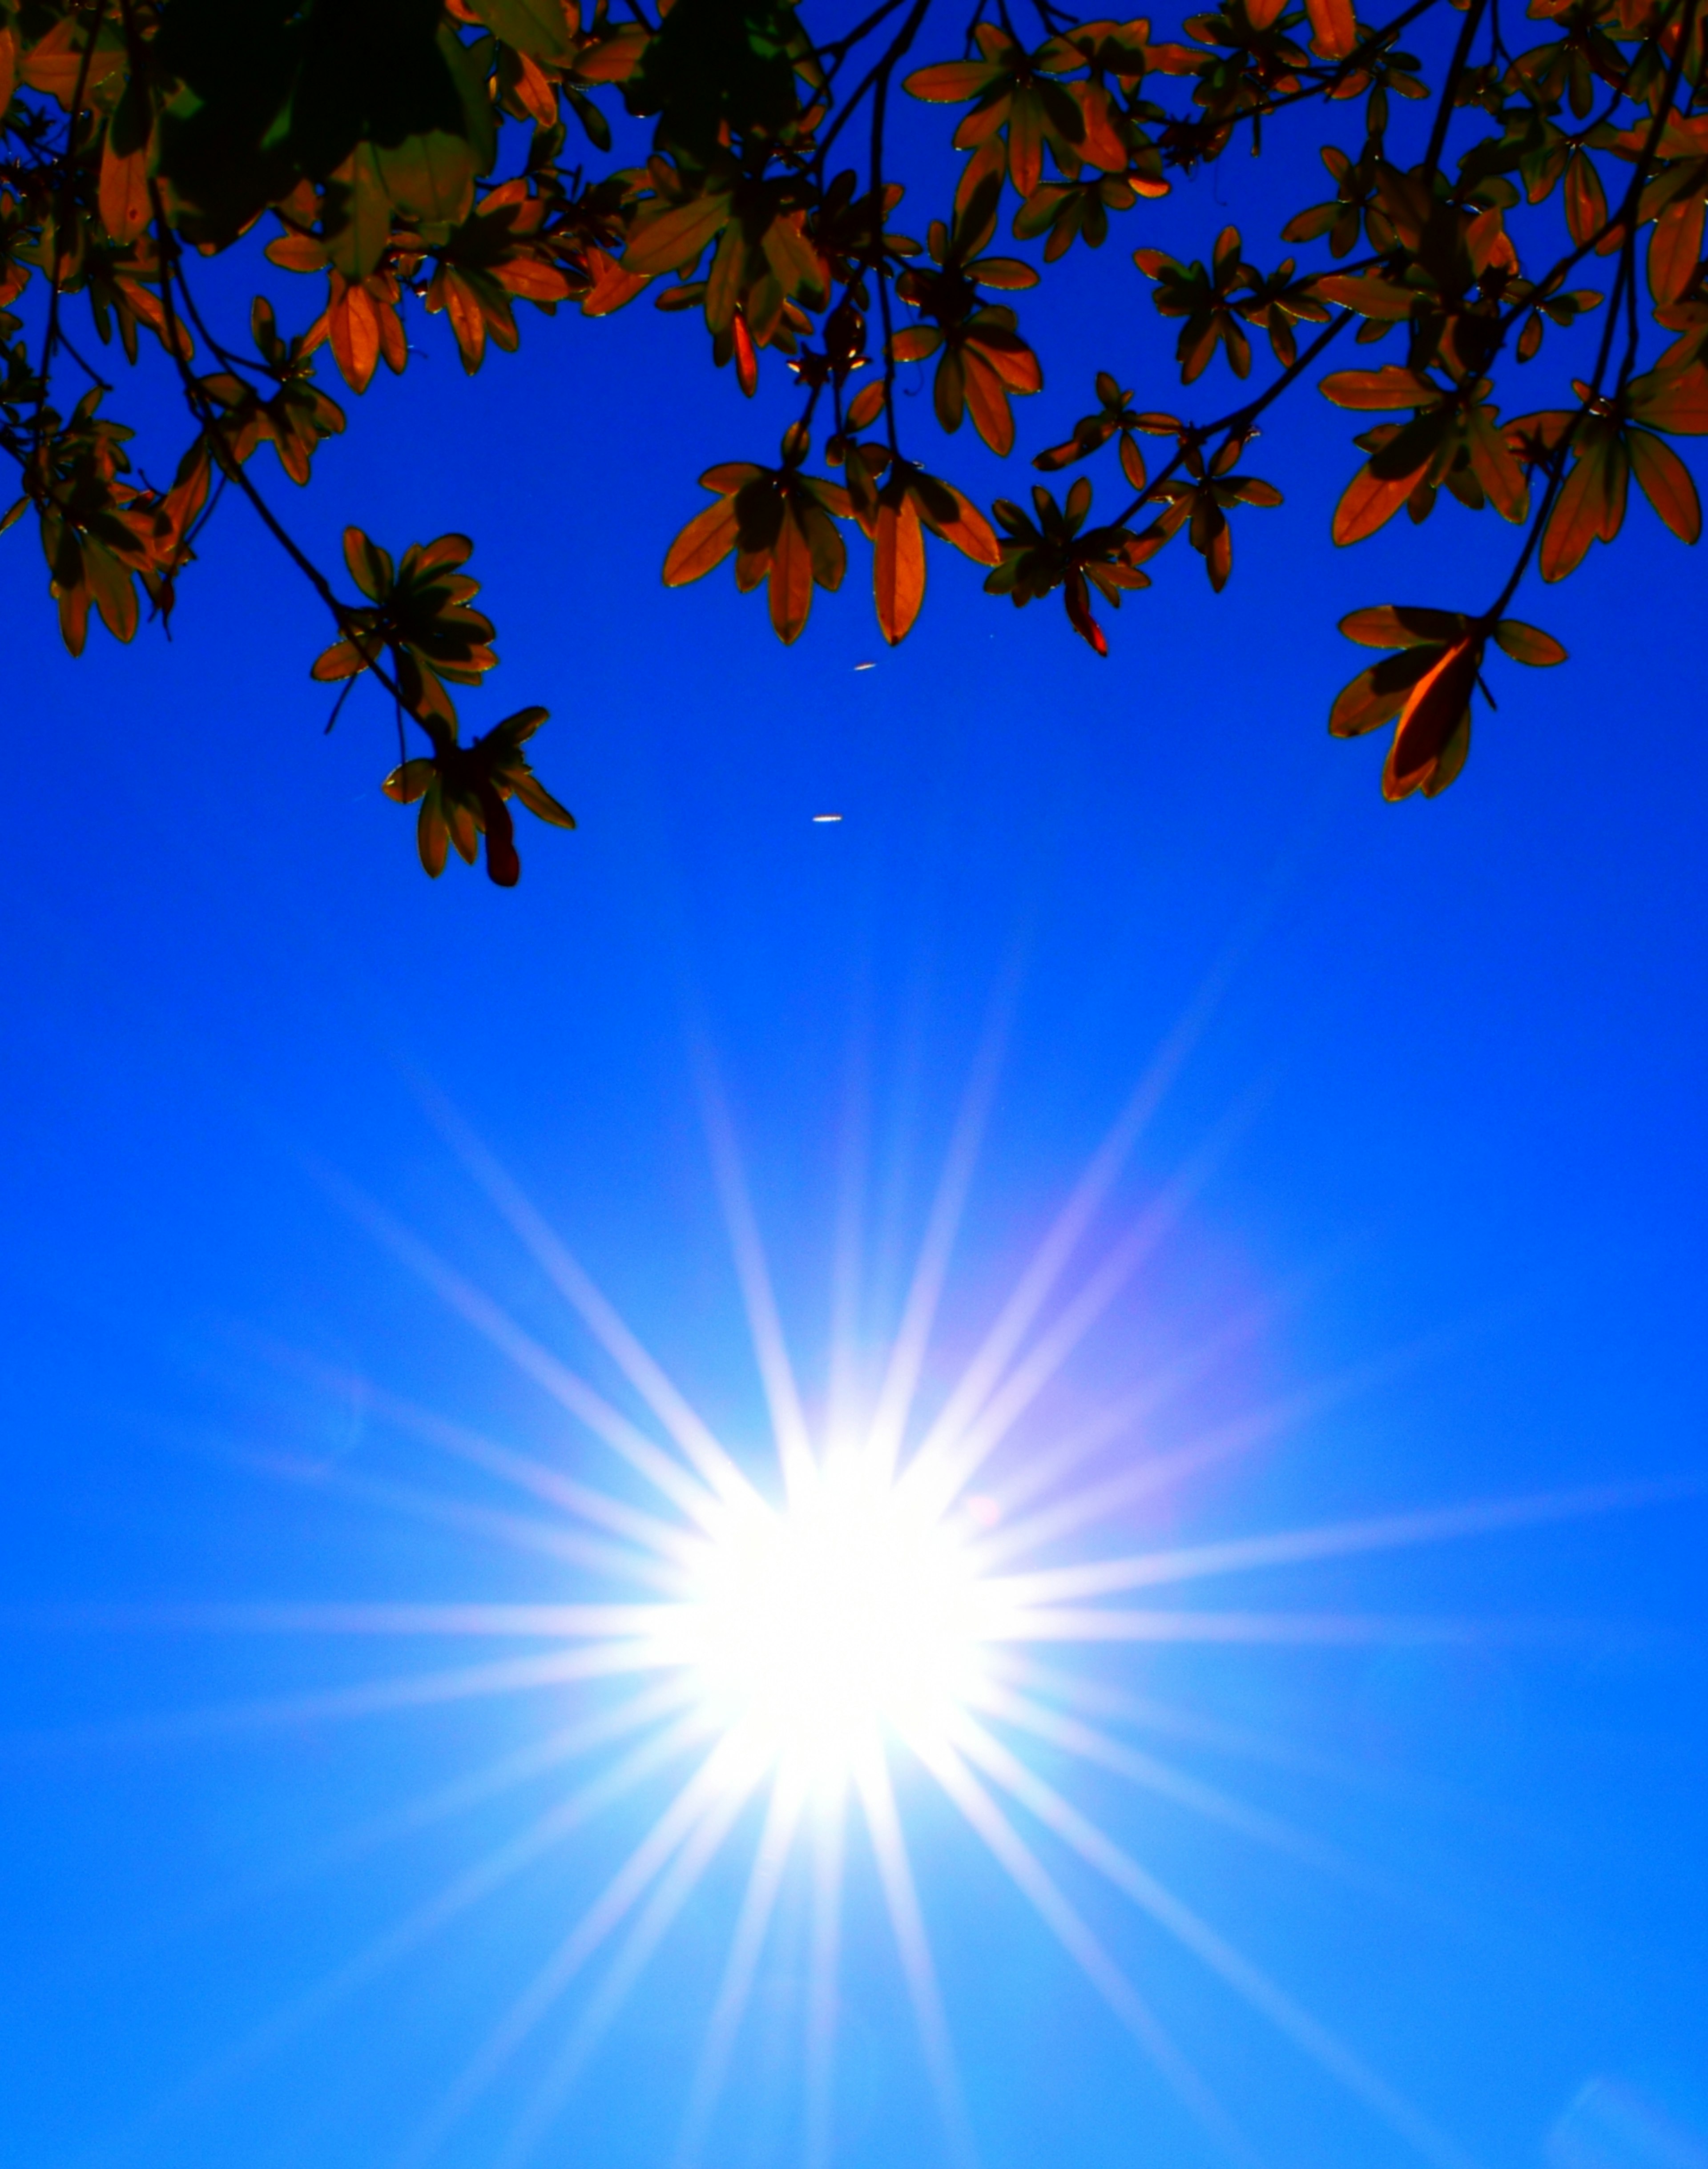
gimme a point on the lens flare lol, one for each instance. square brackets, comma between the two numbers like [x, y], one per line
[848, 1617]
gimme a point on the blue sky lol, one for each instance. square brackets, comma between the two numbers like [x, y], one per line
[1437, 1176]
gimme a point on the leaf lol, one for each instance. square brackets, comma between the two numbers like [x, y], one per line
[1524, 643]
[703, 544]
[410, 782]
[1590, 507]
[1665, 481]
[1436, 711]
[1395, 624]
[614, 284]
[1675, 400]
[951, 82]
[1376, 696]
[358, 217]
[898, 564]
[867, 404]
[1378, 390]
[1335, 29]
[1586, 199]
[542, 28]
[124, 199]
[370, 566]
[790, 580]
[1674, 247]
[676, 237]
[1370, 501]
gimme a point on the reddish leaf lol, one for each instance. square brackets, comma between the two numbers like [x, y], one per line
[703, 544]
[1436, 715]
[1525, 643]
[898, 565]
[1665, 481]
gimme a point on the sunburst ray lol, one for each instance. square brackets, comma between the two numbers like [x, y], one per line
[598, 1313]
[1331, 1540]
[625, 1889]
[752, 1923]
[776, 1374]
[679, 1484]
[1118, 1866]
[1035, 1883]
[901, 1901]
[907, 1353]
[1090, 1743]
[824, 1955]
[704, 1841]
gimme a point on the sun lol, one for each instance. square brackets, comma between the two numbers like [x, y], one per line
[848, 1619]
[789, 1626]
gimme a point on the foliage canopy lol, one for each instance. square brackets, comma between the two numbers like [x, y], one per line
[446, 155]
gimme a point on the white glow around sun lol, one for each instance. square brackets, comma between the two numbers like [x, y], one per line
[846, 1618]
[791, 1630]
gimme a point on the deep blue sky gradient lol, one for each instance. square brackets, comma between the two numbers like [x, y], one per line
[1455, 1085]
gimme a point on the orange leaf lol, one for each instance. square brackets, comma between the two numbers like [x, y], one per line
[898, 565]
[705, 542]
[1526, 643]
[791, 579]
[667, 239]
[1377, 391]
[1674, 400]
[1396, 624]
[951, 82]
[1437, 709]
[1335, 30]
[123, 191]
[1586, 199]
[992, 416]
[613, 284]
[1591, 504]
[1370, 502]
[1665, 481]
[1674, 247]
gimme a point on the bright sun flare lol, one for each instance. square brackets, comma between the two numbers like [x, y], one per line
[883, 1617]
[846, 1618]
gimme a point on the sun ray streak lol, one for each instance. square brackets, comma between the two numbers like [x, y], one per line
[1334, 1540]
[458, 1440]
[1341, 1629]
[776, 1844]
[908, 1351]
[705, 1841]
[1120, 1869]
[476, 1882]
[1042, 1471]
[607, 1424]
[843, 1383]
[1153, 1473]
[1035, 1883]
[1098, 1699]
[366, 1698]
[901, 1900]
[598, 1313]
[776, 1374]
[625, 1889]
[1092, 1744]
[1014, 1318]
[563, 1622]
[829, 1839]
[520, 1532]
[958, 1457]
